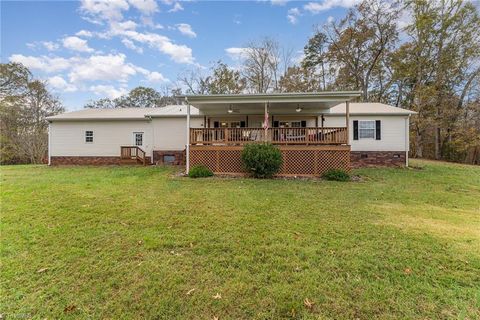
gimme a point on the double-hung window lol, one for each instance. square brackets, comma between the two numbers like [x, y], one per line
[89, 136]
[366, 129]
[138, 138]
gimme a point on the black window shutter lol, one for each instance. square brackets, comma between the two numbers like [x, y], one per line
[378, 134]
[355, 129]
[275, 124]
[216, 124]
[242, 124]
[304, 124]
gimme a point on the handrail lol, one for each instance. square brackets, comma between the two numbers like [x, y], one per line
[133, 152]
[284, 136]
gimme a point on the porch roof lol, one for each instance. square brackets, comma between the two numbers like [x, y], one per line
[284, 103]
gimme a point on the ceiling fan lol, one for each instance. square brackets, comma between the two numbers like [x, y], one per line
[231, 110]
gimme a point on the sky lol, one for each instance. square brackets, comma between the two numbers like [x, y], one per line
[92, 49]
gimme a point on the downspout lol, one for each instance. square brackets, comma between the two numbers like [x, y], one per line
[407, 136]
[49, 142]
[187, 148]
[153, 137]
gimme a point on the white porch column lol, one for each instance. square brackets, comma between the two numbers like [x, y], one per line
[347, 120]
[187, 148]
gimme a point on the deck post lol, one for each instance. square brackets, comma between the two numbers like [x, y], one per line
[347, 119]
[187, 148]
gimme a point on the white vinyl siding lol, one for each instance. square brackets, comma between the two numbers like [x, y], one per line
[394, 132]
[68, 138]
[171, 133]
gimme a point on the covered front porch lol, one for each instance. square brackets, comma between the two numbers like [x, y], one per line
[293, 121]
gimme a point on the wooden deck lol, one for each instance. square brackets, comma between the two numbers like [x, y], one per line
[280, 136]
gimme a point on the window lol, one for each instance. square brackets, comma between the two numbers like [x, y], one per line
[366, 129]
[89, 136]
[290, 124]
[138, 138]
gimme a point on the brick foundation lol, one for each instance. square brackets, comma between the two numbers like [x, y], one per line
[96, 161]
[159, 157]
[93, 161]
[362, 159]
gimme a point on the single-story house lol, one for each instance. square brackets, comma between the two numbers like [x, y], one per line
[314, 131]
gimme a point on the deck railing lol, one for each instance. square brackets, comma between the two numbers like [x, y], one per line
[285, 136]
[133, 153]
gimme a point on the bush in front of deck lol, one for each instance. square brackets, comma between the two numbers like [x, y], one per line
[262, 160]
[336, 175]
[199, 171]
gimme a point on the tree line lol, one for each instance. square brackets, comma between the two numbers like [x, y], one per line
[429, 63]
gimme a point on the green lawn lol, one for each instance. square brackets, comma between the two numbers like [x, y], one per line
[135, 242]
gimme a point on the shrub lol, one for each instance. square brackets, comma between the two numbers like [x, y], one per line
[262, 160]
[200, 171]
[336, 175]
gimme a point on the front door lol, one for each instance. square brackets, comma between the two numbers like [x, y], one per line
[138, 139]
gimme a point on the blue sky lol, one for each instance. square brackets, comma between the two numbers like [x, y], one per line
[92, 49]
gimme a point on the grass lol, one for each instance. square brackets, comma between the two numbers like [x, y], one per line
[132, 243]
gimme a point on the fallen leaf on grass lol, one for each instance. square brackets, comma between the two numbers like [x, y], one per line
[215, 318]
[407, 271]
[309, 304]
[140, 242]
[70, 308]
[217, 296]
[190, 291]
[42, 270]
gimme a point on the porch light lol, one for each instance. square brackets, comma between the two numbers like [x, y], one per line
[230, 110]
[298, 108]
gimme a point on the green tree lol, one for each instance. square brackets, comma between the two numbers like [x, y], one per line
[24, 105]
[436, 69]
[315, 57]
[298, 79]
[225, 80]
[359, 45]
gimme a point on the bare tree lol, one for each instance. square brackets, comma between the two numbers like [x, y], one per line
[261, 65]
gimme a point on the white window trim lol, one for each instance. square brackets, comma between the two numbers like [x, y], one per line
[372, 129]
[85, 136]
[135, 138]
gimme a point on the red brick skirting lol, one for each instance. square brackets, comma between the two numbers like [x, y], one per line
[363, 159]
[174, 157]
[95, 161]
[98, 161]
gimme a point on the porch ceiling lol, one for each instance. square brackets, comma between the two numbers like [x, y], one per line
[280, 103]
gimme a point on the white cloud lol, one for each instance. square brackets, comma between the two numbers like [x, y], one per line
[146, 7]
[57, 82]
[186, 29]
[330, 19]
[43, 63]
[176, 7]
[130, 45]
[108, 90]
[278, 2]
[117, 28]
[50, 46]
[236, 53]
[84, 33]
[109, 10]
[98, 67]
[178, 53]
[76, 44]
[156, 77]
[293, 15]
[317, 7]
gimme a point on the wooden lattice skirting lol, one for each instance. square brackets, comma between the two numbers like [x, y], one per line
[297, 160]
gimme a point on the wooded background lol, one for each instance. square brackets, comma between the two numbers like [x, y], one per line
[423, 55]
